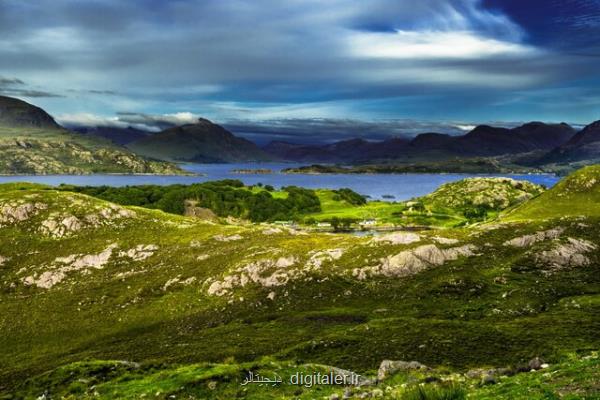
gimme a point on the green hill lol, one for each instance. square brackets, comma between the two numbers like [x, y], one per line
[199, 142]
[84, 280]
[576, 195]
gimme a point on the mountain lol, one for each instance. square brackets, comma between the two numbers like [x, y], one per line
[584, 146]
[483, 141]
[121, 136]
[490, 141]
[31, 142]
[199, 142]
[17, 113]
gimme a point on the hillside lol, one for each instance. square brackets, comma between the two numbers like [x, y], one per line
[576, 195]
[166, 294]
[31, 142]
[199, 142]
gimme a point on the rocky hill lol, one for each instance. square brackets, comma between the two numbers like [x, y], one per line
[488, 193]
[32, 143]
[190, 306]
[199, 142]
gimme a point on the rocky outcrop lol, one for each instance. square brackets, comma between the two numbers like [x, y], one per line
[266, 273]
[410, 262]
[64, 225]
[529, 240]
[63, 265]
[14, 212]
[570, 254]
[317, 258]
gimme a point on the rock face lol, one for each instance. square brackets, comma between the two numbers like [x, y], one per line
[389, 367]
[17, 113]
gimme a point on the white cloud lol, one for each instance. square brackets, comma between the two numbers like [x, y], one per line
[87, 119]
[427, 45]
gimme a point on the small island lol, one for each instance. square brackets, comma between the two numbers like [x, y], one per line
[258, 171]
[457, 166]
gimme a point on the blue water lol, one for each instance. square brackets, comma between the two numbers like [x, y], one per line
[400, 186]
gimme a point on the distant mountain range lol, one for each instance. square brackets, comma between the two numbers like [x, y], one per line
[203, 142]
[483, 141]
[534, 144]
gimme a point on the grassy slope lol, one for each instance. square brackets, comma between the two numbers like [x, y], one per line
[500, 307]
[578, 195]
[53, 151]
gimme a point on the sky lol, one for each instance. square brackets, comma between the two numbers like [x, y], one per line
[305, 70]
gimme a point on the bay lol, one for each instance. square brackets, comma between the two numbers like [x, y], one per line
[390, 187]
